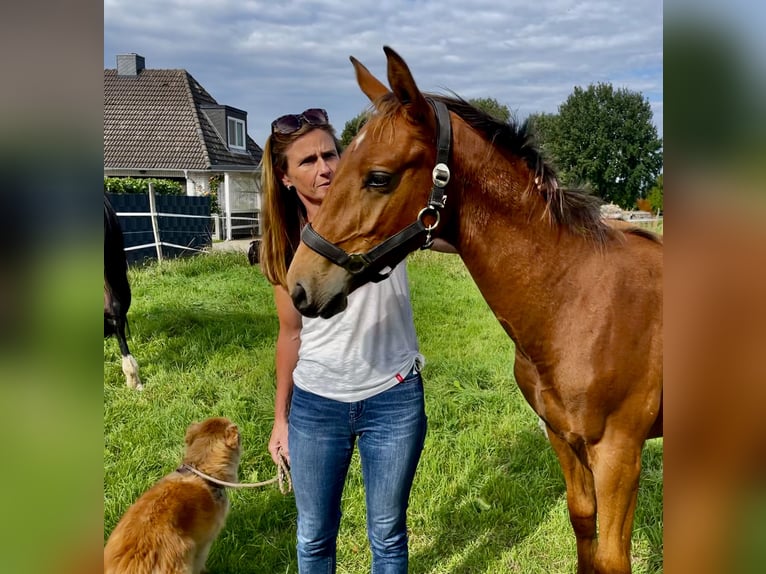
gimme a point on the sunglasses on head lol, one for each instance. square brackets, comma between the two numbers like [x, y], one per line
[290, 123]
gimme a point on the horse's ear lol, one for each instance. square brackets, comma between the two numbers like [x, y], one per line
[404, 87]
[369, 84]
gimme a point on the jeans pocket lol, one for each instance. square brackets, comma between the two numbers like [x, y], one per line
[411, 386]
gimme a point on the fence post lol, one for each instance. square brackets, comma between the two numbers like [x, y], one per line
[227, 196]
[217, 225]
[153, 216]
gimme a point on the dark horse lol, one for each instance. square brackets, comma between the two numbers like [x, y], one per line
[117, 292]
[580, 298]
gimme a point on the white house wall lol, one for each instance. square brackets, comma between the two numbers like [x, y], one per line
[240, 200]
[197, 183]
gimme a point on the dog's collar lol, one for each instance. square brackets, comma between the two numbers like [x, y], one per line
[218, 485]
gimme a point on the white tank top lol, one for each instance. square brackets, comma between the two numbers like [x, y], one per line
[364, 350]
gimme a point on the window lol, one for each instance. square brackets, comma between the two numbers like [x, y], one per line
[236, 133]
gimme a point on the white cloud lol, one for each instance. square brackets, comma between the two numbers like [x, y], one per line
[270, 58]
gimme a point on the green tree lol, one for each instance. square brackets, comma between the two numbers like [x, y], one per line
[605, 138]
[488, 105]
[543, 126]
[655, 196]
[492, 107]
[352, 127]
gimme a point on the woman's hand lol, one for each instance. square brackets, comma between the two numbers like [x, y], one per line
[278, 442]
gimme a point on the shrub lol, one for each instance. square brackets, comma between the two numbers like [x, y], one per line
[656, 196]
[141, 185]
[214, 183]
[644, 205]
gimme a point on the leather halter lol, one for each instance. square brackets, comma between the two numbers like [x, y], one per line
[388, 253]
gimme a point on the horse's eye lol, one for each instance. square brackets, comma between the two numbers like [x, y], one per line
[378, 180]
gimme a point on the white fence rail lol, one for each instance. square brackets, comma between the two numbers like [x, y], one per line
[154, 216]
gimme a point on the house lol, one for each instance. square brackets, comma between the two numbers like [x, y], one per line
[164, 124]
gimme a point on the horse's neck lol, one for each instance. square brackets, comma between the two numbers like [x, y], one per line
[522, 256]
[500, 216]
[513, 254]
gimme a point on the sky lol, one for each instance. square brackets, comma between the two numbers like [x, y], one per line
[271, 58]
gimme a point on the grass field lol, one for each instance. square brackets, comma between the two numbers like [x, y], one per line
[654, 226]
[488, 497]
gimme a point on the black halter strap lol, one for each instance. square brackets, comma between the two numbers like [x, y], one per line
[377, 263]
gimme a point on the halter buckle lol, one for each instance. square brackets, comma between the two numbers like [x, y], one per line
[357, 262]
[440, 175]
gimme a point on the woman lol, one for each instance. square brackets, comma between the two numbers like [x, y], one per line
[352, 379]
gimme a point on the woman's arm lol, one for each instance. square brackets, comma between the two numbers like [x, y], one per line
[288, 343]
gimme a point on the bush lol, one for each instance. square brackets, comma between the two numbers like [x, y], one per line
[656, 196]
[141, 185]
[644, 205]
[214, 183]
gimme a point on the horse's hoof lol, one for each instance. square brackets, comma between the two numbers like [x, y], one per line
[134, 383]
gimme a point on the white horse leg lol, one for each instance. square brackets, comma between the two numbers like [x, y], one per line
[543, 426]
[130, 368]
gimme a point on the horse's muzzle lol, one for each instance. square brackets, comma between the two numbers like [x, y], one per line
[312, 308]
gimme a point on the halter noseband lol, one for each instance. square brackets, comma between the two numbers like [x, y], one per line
[392, 250]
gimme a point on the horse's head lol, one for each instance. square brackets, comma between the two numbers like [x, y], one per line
[380, 188]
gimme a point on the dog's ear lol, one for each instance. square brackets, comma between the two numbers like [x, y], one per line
[191, 432]
[232, 436]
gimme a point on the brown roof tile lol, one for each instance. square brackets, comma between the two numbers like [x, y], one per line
[154, 121]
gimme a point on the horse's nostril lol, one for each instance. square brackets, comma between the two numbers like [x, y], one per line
[301, 301]
[299, 296]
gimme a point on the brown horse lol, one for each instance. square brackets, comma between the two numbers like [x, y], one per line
[581, 299]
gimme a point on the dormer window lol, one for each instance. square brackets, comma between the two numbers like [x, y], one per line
[235, 134]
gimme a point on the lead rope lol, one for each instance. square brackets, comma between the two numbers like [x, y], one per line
[283, 478]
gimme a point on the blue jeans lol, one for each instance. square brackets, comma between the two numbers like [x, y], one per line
[390, 429]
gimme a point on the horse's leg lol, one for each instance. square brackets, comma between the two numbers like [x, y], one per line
[130, 368]
[542, 426]
[129, 363]
[616, 466]
[581, 501]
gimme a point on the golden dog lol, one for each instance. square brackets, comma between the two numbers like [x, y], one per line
[170, 528]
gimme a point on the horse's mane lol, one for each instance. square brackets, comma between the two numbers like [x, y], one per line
[572, 208]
